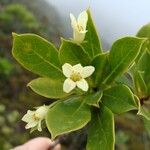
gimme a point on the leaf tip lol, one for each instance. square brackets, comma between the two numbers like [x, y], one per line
[62, 39]
[29, 84]
[14, 34]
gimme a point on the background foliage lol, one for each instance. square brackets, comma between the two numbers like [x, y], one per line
[21, 18]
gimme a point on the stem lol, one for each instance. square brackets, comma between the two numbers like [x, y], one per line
[143, 99]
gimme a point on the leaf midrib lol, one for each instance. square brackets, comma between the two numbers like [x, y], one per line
[121, 62]
[91, 43]
[43, 58]
[107, 95]
[68, 47]
[100, 122]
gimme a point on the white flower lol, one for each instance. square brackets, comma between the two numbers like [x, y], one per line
[75, 76]
[34, 118]
[79, 26]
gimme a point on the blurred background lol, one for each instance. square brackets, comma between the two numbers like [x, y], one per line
[50, 19]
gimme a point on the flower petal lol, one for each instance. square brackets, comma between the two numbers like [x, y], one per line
[31, 124]
[42, 111]
[78, 37]
[28, 116]
[77, 68]
[68, 85]
[82, 19]
[67, 70]
[87, 71]
[73, 21]
[82, 84]
[39, 126]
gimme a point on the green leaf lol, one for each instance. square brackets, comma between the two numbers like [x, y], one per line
[72, 53]
[67, 116]
[140, 85]
[143, 66]
[143, 110]
[101, 135]
[122, 56]
[92, 43]
[93, 99]
[144, 63]
[47, 87]
[101, 64]
[125, 79]
[144, 31]
[37, 55]
[119, 99]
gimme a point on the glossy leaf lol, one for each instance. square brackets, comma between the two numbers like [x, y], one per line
[126, 79]
[47, 87]
[140, 85]
[94, 98]
[92, 43]
[101, 132]
[122, 55]
[143, 110]
[67, 116]
[119, 99]
[37, 55]
[144, 32]
[72, 53]
[101, 64]
[143, 66]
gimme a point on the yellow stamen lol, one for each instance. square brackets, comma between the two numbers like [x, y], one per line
[36, 117]
[76, 76]
[80, 28]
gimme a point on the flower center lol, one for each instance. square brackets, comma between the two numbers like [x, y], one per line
[76, 76]
[36, 117]
[80, 28]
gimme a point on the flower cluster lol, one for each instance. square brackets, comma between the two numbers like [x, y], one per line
[34, 118]
[75, 74]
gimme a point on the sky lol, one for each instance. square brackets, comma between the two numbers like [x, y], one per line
[114, 18]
